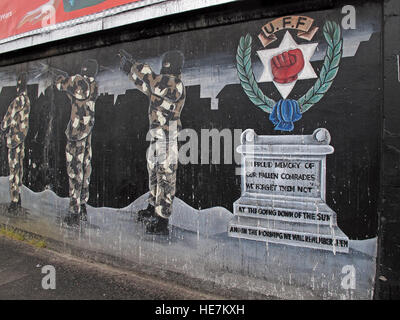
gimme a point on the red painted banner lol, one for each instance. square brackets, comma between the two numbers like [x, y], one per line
[18, 16]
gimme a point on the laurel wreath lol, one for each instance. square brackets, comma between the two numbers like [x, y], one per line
[328, 72]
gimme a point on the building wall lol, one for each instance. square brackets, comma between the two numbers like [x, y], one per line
[388, 272]
[221, 104]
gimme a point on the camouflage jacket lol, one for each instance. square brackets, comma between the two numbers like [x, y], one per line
[82, 91]
[16, 120]
[167, 96]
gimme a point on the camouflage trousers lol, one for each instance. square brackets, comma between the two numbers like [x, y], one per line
[16, 163]
[79, 169]
[162, 164]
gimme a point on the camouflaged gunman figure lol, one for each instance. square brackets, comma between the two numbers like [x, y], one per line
[82, 91]
[167, 97]
[15, 126]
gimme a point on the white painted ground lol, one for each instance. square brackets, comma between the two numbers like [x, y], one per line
[199, 247]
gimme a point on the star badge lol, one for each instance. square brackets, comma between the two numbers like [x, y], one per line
[287, 43]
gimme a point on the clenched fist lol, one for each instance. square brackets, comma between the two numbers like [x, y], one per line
[287, 65]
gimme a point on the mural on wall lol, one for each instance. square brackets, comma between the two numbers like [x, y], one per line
[288, 63]
[167, 96]
[283, 192]
[283, 180]
[14, 128]
[82, 91]
[169, 137]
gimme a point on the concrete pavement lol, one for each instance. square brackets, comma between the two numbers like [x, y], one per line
[21, 278]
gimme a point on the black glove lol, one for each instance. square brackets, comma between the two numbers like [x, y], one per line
[57, 74]
[126, 61]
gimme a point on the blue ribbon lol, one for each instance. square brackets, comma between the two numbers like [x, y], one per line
[284, 113]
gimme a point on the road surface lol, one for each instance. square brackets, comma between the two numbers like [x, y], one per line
[21, 278]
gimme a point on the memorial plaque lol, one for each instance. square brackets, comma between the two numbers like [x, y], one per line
[291, 177]
[283, 192]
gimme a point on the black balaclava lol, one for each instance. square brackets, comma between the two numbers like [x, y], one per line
[21, 82]
[172, 63]
[90, 68]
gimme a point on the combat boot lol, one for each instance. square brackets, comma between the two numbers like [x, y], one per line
[146, 214]
[13, 207]
[158, 225]
[72, 219]
[83, 212]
